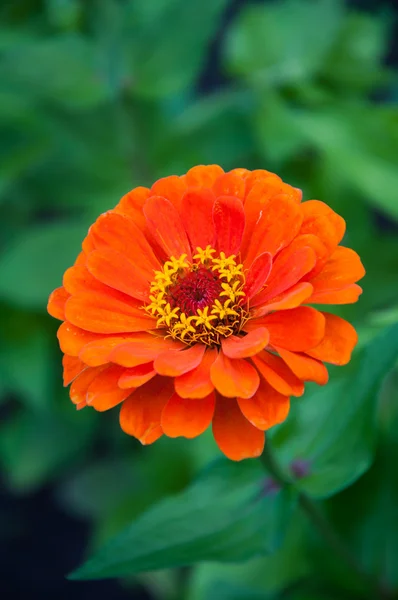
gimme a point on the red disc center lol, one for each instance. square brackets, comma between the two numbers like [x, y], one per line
[194, 291]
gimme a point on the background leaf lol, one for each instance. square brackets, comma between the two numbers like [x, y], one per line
[246, 520]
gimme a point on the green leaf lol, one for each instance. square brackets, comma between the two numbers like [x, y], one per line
[227, 515]
[33, 265]
[282, 42]
[162, 45]
[334, 428]
[68, 73]
[354, 62]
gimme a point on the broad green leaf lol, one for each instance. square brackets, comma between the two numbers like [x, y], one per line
[227, 515]
[266, 575]
[370, 527]
[333, 429]
[32, 266]
[282, 42]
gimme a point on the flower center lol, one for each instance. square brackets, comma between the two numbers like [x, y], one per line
[202, 301]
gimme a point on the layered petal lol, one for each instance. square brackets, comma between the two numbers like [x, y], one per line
[230, 184]
[187, 417]
[234, 377]
[101, 313]
[203, 176]
[276, 226]
[115, 270]
[343, 268]
[103, 392]
[136, 376]
[56, 303]
[234, 435]
[297, 329]
[165, 225]
[320, 220]
[172, 188]
[197, 217]
[173, 363]
[278, 375]
[266, 408]
[229, 223]
[304, 367]
[288, 269]
[72, 367]
[338, 343]
[141, 413]
[197, 383]
[291, 298]
[142, 349]
[346, 295]
[248, 345]
[258, 274]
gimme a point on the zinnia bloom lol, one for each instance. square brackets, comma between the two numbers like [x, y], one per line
[190, 305]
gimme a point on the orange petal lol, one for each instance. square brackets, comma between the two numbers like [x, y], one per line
[78, 279]
[141, 413]
[172, 188]
[306, 368]
[115, 231]
[339, 341]
[141, 350]
[343, 268]
[288, 268]
[266, 408]
[320, 220]
[259, 192]
[72, 339]
[297, 329]
[177, 362]
[136, 376]
[187, 417]
[197, 217]
[261, 176]
[131, 205]
[230, 184]
[103, 314]
[278, 374]
[291, 298]
[99, 351]
[197, 383]
[79, 387]
[229, 223]
[234, 377]
[203, 176]
[311, 241]
[258, 274]
[234, 435]
[56, 303]
[249, 345]
[104, 393]
[72, 368]
[113, 269]
[347, 295]
[165, 225]
[276, 226]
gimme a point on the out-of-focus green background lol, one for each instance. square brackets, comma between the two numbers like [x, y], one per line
[100, 96]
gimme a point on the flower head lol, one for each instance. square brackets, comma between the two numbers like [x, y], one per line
[190, 304]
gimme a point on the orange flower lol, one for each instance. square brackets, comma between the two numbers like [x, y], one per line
[189, 305]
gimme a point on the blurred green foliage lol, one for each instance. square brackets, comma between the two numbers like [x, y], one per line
[100, 96]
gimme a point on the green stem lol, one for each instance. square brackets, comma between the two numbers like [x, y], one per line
[317, 518]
